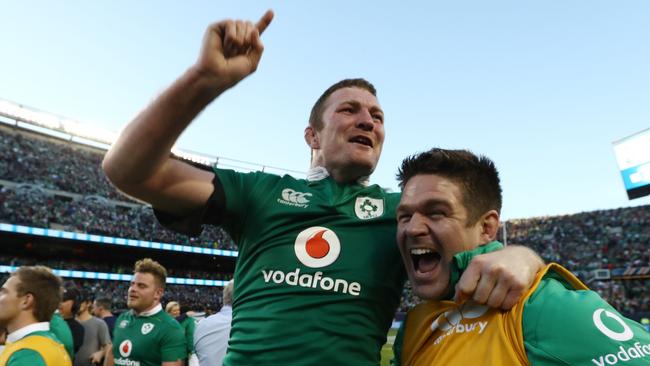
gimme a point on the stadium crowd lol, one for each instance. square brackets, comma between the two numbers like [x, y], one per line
[197, 298]
[72, 264]
[581, 242]
[589, 240]
[38, 208]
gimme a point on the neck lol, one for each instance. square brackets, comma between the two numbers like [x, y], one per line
[146, 310]
[83, 316]
[21, 321]
[343, 174]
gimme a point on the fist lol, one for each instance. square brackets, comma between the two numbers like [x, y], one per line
[232, 49]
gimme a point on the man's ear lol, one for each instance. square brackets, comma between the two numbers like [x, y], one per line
[311, 138]
[27, 302]
[489, 226]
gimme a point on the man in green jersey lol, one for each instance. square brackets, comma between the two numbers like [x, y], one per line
[146, 335]
[448, 214]
[27, 301]
[318, 276]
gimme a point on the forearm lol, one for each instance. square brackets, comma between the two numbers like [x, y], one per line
[143, 148]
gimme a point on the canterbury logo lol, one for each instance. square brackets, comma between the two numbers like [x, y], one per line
[294, 198]
[451, 322]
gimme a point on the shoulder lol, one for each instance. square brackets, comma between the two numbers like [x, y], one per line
[26, 357]
[167, 320]
[576, 326]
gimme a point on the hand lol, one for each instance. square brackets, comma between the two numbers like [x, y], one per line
[232, 49]
[500, 278]
[96, 357]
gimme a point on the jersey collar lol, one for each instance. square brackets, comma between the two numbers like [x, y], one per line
[156, 309]
[22, 332]
[319, 173]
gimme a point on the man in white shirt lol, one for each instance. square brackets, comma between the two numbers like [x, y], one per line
[211, 335]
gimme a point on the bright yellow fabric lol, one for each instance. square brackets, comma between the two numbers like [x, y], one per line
[52, 352]
[450, 334]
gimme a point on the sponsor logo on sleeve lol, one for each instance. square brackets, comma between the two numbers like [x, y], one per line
[294, 198]
[368, 208]
[617, 330]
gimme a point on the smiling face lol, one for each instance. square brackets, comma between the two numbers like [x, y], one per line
[350, 141]
[431, 229]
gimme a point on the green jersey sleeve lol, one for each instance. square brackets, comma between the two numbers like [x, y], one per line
[172, 345]
[563, 326]
[26, 357]
[242, 192]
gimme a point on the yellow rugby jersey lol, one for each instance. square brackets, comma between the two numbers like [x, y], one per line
[52, 352]
[558, 322]
[447, 333]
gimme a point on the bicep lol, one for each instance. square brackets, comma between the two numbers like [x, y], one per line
[177, 188]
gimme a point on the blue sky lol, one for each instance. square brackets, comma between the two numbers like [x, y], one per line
[541, 87]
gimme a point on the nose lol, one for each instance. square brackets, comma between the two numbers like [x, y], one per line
[365, 121]
[416, 226]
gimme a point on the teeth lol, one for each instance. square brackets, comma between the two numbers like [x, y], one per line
[419, 251]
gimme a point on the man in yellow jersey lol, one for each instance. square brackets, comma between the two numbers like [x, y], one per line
[27, 301]
[448, 214]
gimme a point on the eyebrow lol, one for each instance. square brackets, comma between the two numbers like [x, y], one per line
[357, 104]
[428, 203]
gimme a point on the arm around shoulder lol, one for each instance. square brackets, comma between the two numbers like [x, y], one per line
[563, 326]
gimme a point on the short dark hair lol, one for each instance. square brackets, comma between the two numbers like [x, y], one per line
[148, 265]
[104, 302]
[316, 115]
[45, 287]
[477, 175]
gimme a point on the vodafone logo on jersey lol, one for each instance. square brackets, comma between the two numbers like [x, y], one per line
[125, 348]
[623, 331]
[317, 247]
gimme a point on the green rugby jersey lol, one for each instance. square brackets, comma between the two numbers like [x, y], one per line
[319, 275]
[147, 340]
[60, 328]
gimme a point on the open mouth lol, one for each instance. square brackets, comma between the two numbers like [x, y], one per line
[424, 260]
[362, 140]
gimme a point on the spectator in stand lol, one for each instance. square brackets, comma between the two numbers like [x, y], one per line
[97, 340]
[68, 309]
[212, 333]
[102, 309]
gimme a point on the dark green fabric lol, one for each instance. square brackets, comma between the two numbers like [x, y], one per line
[277, 321]
[560, 328]
[60, 328]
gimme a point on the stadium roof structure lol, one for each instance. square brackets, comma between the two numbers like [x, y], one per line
[91, 135]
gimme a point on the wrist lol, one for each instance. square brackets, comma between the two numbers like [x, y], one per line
[206, 82]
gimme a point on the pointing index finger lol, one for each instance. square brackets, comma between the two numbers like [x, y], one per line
[264, 21]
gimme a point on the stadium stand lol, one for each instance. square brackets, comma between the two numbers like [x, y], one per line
[50, 183]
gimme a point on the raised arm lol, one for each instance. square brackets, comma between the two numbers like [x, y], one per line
[138, 163]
